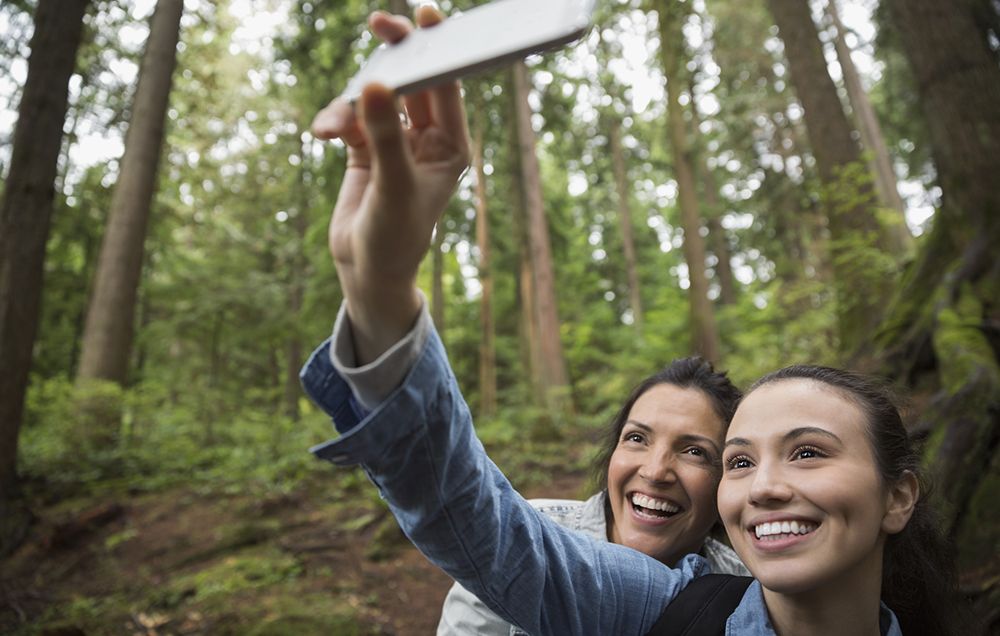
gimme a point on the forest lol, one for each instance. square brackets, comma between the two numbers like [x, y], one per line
[759, 182]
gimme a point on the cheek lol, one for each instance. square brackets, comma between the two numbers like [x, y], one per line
[617, 474]
[730, 499]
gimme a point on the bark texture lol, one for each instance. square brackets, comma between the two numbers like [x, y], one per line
[108, 334]
[705, 336]
[25, 220]
[944, 325]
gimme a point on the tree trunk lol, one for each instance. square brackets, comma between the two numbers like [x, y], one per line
[108, 335]
[847, 190]
[487, 341]
[705, 340]
[625, 221]
[25, 220]
[717, 240]
[553, 374]
[298, 275]
[871, 137]
[943, 322]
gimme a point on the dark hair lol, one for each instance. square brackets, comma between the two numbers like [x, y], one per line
[686, 373]
[918, 579]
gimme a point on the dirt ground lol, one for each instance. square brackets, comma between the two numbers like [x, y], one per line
[180, 562]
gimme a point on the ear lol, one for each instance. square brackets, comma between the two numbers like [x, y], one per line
[901, 499]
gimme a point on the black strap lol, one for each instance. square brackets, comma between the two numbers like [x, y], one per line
[701, 609]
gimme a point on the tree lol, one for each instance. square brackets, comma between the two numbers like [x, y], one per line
[847, 189]
[552, 374]
[25, 219]
[622, 195]
[108, 334]
[718, 241]
[871, 133]
[487, 344]
[941, 327]
[705, 338]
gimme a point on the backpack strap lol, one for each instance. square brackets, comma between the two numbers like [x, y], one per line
[702, 608]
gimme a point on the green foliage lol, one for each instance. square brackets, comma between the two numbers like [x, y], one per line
[163, 438]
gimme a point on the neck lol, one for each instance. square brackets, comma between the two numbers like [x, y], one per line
[847, 606]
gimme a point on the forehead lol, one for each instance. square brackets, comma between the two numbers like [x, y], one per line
[681, 410]
[781, 406]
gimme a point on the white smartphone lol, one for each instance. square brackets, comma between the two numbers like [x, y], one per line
[481, 38]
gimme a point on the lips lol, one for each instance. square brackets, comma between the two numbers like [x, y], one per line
[653, 507]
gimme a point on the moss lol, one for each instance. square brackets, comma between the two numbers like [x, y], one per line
[962, 349]
[977, 534]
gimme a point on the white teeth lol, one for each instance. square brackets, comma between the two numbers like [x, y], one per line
[783, 527]
[653, 504]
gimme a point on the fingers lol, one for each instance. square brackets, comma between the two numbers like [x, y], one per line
[338, 120]
[446, 106]
[389, 27]
[388, 147]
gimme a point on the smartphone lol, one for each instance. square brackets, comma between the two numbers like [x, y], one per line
[485, 37]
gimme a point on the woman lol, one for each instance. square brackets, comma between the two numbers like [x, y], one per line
[804, 448]
[659, 469]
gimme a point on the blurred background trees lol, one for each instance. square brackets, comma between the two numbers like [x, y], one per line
[763, 182]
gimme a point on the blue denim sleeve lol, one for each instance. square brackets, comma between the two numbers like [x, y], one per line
[419, 448]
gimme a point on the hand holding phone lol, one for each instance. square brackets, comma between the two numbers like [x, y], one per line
[481, 38]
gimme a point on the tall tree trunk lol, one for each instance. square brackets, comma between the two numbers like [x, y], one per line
[847, 193]
[717, 240]
[25, 220]
[622, 191]
[108, 335]
[487, 341]
[944, 320]
[296, 293]
[553, 374]
[871, 136]
[705, 339]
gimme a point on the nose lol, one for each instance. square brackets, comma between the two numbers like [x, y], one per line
[769, 485]
[658, 468]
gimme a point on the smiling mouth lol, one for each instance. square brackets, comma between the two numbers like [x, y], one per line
[778, 530]
[653, 508]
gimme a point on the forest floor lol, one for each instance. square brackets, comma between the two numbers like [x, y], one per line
[326, 558]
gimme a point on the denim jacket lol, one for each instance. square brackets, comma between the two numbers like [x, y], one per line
[465, 615]
[419, 448]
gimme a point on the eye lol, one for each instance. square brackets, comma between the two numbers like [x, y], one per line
[633, 436]
[738, 462]
[807, 452]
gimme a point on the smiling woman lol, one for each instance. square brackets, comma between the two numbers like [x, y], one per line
[658, 471]
[822, 497]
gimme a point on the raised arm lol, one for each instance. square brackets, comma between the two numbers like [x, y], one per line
[398, 181]
[417, 443]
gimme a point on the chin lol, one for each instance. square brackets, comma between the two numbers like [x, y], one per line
[787, 580]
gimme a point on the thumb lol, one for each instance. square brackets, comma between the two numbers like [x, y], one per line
[390, 152]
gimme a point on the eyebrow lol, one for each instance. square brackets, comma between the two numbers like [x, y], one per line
[790, 435]
[687, 437]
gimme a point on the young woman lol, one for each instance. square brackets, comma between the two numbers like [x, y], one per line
[804, 449]
[658, 469]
